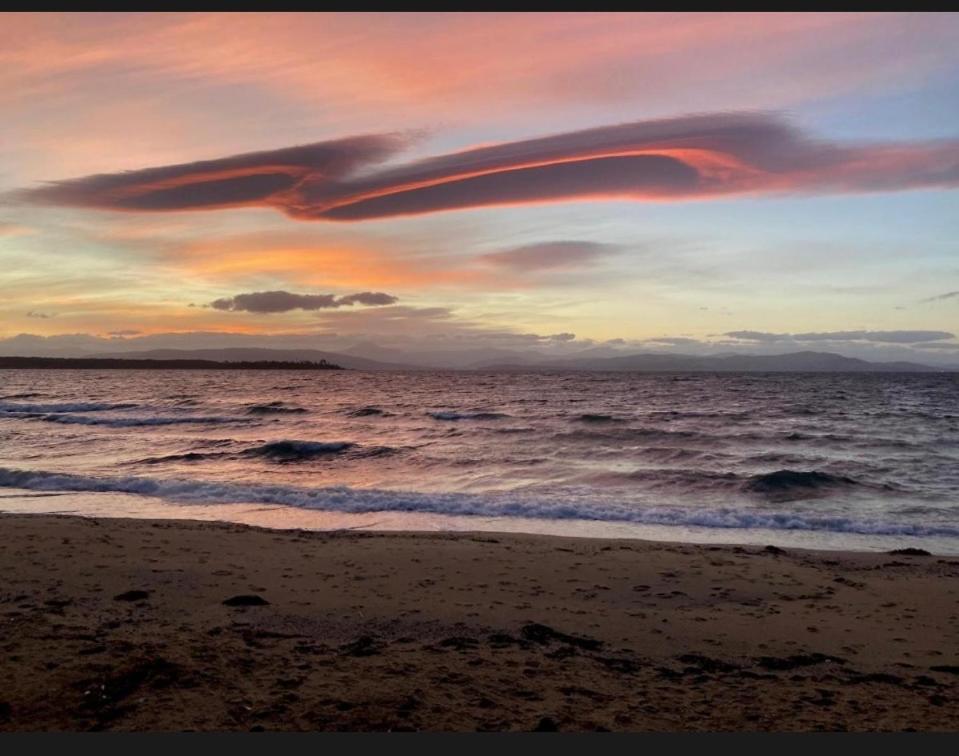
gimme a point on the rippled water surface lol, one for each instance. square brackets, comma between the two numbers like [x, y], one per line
[875, 455]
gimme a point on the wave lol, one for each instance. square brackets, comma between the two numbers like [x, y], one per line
[660, 478]
[779, 486]
[675, 454]
[817, 437]
[132, 422]
[274, 408]
[185, 457]
[8, 407]
[344, 499]
[278, 451]
[368, 412]
[294, 451]
[590, 418]
[790, 485]
[694, 414]
[631, 434]
[467, 415]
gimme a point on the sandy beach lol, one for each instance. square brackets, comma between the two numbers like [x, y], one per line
[114, 624]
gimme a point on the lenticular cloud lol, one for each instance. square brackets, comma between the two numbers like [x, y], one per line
[695, 157]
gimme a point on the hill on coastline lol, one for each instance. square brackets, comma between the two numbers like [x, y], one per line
[260, 354]
[93, 363]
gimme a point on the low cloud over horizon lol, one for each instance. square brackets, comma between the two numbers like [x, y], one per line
[267, 302]
[683, 158]
[886, 337]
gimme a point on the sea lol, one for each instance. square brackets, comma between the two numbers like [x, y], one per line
[822, 461]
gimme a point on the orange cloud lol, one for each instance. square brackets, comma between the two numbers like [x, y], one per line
[308, 262]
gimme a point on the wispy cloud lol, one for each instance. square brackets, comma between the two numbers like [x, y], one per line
[14, 229]
[686, 158]
[549, 255]
[941, 297]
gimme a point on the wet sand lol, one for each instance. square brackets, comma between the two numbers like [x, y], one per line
[113, 624]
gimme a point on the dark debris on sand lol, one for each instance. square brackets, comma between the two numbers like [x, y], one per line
[246, 600]
[105, 697]
[132, 596]
[796, 661]
[542, 634]
[363, 646]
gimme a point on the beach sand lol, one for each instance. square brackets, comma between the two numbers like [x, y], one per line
[121, 625]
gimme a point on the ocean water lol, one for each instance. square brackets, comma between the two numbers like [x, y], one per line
[825, 460]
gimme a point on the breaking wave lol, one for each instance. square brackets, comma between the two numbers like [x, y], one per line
[344, 499]
[779, 486]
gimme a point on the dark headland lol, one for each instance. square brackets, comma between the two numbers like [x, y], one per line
[96, 363]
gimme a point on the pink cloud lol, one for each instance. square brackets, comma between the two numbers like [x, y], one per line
[688, 158]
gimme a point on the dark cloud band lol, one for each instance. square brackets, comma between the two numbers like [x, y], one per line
[255, 178]
[265, 302]
[674, 159]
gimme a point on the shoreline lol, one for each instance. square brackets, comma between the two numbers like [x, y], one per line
[465, 533]
[120, 623]
[121, 505]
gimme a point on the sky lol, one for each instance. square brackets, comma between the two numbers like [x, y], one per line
[551, 183]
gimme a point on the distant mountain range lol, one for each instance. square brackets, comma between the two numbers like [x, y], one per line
[794, 362]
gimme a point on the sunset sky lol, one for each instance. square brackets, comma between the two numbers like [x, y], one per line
[694, 183]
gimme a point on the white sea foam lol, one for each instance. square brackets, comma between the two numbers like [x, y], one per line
[344, 499]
